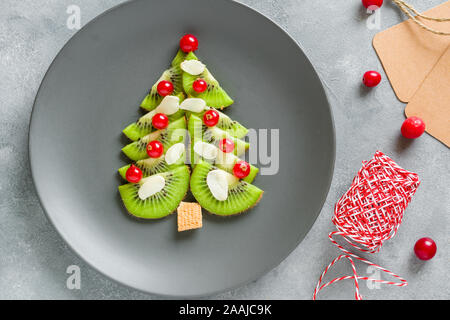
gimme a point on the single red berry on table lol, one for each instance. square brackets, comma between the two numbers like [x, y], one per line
[372, 4]
[188, 43]
[199, 85]
[155, 149]
[164, 88]
[211, 118]
[241, 169]
[413, 127]
[226, 145]
[160, 121]
[133, 174]
[371, 78]
[425, 248]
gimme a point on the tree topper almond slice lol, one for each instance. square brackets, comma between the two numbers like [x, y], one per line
[206, 150]
[150, 186]
[193, 67]
[169, 105]
[193, 104]
[174, 153]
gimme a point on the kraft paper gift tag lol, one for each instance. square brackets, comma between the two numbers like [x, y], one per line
[408, 53]
[432, 100]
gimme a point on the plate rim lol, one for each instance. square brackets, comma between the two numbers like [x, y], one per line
[256, 276]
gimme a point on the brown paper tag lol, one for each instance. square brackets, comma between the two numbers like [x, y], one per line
[432, 100]
[408, 53]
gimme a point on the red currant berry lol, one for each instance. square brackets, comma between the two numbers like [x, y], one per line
[226, 145]
[413, 127]
[425, 248]
[165, 88]
[211, 118]
[160, 121]
[188, 43]
[371, 79]
[241, 169]
[372, 4]
[199, 85]
[155, 149]
[133, 174]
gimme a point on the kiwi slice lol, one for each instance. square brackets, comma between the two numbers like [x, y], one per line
[214, 95]
[225, 123]
[151, 166]
[144, 126]
[174, 75]
[199, 132]
[161, 203]
[174, 133]
[241, 196]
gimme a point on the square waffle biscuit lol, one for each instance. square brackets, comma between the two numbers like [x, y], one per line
[189, 216]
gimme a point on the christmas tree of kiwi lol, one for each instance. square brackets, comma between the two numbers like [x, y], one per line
[184, 101]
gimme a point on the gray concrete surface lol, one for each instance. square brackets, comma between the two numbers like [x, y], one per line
[34, 259]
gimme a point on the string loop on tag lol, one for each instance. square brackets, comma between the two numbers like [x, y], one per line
[413, 14]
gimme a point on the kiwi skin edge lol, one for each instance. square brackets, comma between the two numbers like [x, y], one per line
[239, 213]
[234, 214]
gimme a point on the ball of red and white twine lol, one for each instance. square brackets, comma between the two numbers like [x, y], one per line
[369, 213]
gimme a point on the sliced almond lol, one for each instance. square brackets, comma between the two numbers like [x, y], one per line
[174, 153]
[150, 186]
[206, 150]
[193, 67]
[169, 105]
[218, 184]
[193, 104]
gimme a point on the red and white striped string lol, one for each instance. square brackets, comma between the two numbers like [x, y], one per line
[369, 213]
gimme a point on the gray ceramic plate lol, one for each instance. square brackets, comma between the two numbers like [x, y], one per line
[93, 90]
